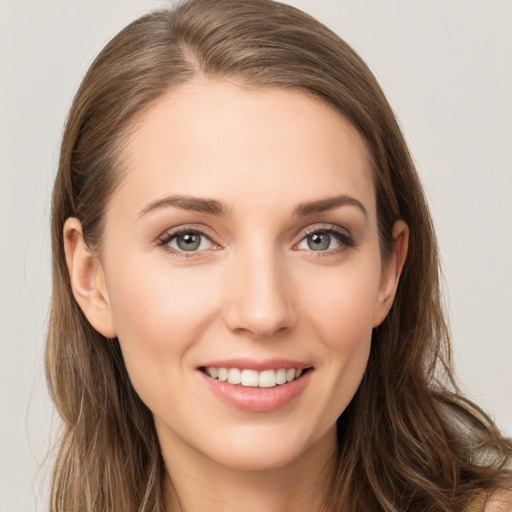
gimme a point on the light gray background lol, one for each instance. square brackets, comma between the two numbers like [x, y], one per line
[446, 67]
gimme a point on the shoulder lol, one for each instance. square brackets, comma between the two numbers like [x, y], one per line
[499, 501]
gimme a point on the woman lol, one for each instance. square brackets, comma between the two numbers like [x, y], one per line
[246, 302]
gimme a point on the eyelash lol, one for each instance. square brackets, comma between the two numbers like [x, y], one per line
[346, 241]
[183, 230]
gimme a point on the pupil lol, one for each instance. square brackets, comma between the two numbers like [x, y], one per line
[319, 241]
[189, 242]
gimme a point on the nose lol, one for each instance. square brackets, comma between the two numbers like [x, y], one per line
[259, 296]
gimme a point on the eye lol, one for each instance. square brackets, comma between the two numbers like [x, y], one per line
[187, 241]
[325, 240]
[319, 241]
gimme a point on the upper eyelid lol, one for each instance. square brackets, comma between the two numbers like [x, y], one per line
[323, 227]
[186, 228]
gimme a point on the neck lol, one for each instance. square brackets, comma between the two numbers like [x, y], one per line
[194, 483]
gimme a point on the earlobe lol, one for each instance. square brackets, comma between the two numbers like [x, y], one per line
[87, 279]
[391, 271]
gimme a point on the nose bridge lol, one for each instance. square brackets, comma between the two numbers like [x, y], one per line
[259, 295]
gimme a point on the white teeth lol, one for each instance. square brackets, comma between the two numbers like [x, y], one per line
[281, 376]
[253, 378]
[267, 379]
[234, 376]
[249, 378]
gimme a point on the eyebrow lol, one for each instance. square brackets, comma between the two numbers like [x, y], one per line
[214, 207]
[186, 203]
[329, 203]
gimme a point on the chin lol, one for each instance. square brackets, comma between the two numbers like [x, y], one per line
[266, 451]
[256, 460]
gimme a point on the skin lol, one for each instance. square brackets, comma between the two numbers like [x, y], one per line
[254, 289]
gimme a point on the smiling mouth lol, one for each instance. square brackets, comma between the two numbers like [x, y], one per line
[254, 378]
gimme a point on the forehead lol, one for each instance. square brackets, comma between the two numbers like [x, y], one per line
[243, 144]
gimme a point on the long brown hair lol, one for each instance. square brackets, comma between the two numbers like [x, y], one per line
[408, 440]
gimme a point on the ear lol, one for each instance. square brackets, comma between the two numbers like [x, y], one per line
[391, 271]
[87, 279]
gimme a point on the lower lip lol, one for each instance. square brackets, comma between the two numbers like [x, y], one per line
[254, 399]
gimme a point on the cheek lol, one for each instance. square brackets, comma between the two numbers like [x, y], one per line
[159, 314]
[342, 304]
[157, 300]
[339, 312]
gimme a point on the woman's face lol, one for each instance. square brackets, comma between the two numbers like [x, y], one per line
[242, 244]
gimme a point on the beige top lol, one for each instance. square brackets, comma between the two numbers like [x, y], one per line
[500, 501]
[478, 504]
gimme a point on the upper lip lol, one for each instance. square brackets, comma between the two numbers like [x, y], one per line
[257, 364]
